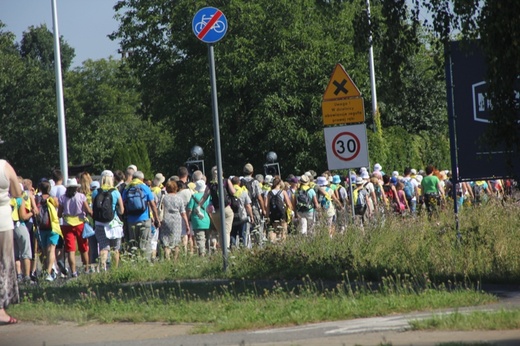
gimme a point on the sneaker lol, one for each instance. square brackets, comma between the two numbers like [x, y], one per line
[64, 270]
[75, 274]
[27, 280]
[34, 277]
[19, 277]
[50, 278]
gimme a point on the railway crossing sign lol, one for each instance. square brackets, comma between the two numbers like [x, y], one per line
[209, 24]
[346, 146]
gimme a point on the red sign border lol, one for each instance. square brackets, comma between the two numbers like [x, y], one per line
[358, 143]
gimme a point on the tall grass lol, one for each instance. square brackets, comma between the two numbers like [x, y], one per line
[486, 249]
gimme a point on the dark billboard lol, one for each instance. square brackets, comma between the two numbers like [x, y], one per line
[471, 114]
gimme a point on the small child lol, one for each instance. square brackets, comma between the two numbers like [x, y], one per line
[402, 197]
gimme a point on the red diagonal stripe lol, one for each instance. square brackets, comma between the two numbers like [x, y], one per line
[210, 24]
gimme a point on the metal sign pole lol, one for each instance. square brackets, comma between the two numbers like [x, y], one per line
[453, 135]
[216, 130]
[59, 96]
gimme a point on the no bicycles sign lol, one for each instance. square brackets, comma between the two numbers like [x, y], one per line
[209, 24]
[346, 146]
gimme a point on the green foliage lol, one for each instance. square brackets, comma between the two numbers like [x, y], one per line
[272, 68]
[38, 46]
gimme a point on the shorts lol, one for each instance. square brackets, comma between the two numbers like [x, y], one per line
[71, 234]
[48, 238]
[22, 242]
[104, 242]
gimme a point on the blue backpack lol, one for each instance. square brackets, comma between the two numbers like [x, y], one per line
[408, 189]
[135, 201]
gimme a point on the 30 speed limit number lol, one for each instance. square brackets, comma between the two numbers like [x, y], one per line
[346, 146]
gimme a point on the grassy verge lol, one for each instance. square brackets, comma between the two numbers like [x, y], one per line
[236, 306]
[478, 320]
[416, 265]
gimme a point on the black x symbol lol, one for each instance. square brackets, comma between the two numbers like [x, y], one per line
[340, 87]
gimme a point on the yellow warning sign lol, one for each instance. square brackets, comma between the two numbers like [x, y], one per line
[346, 111]
[340, 85]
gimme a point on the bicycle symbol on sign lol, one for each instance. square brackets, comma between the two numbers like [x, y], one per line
[219, 25]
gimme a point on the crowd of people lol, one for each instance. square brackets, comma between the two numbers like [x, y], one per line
[160, 217]
[122, 211]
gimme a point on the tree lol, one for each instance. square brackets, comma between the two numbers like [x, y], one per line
[38, 45]
[27, 112]
[272, 69]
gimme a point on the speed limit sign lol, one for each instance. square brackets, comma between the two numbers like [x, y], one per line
[346, 146]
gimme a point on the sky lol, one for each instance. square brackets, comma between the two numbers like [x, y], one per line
[84, 24]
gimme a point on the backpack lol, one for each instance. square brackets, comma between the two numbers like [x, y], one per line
[477, 191]
[276, 206]
[102, 206]
[323, 201]
[303, 201]
[239, 211]
[249, 185]
[360, 205]
[43, 221]
[408, 189]
[235, 203]
[135, 200]
[213, 191]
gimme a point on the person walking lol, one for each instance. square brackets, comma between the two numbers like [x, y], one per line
[174, 216]
[432, 191]
[108, 233]
[8, 283]
[74, 208]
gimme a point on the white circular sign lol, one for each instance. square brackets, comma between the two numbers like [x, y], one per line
[346, 146]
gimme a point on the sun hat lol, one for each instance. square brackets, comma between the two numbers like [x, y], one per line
[107, 173]
[322, 181]
[359, 181]
[365, 175]
[200, 186]
[268, 179]
[159, 178]
[94, 185]
[413, 171]
[336, 179]
[395, 174]
[72, 183]
[304, 179]
[248, 168]
[363, 169]
[134, 167]
[377, 167]
[393, 180]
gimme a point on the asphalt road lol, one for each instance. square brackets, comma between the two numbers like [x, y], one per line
[392, 330]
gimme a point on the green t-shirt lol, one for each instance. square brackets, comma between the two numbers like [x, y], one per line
[429, 184]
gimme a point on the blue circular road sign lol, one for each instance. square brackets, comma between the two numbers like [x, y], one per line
[209, 24]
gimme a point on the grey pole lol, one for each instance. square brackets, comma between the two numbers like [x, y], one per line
[372, 72]
[216, 130]
[59, 95]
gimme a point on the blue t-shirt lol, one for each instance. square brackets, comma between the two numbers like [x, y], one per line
[149, 198]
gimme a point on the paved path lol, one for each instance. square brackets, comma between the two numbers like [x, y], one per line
[365, 331]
